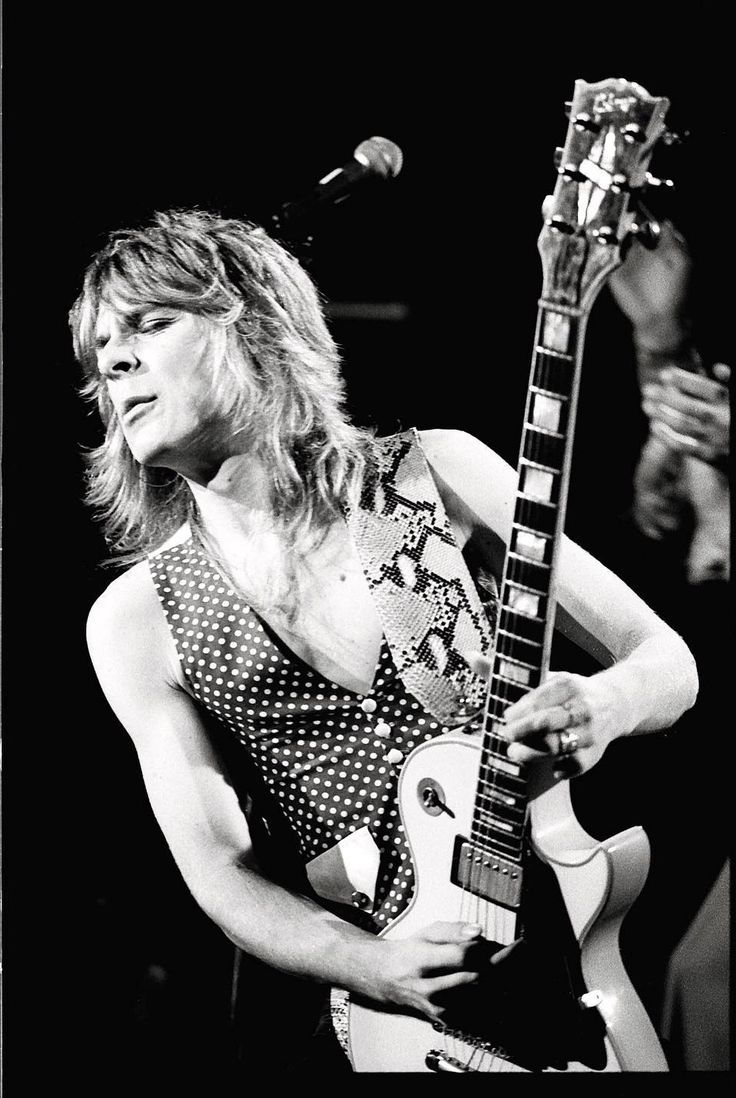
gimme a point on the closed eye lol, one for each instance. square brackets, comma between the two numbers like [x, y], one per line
[154, 323]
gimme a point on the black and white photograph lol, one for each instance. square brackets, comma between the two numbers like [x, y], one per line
[367, 624]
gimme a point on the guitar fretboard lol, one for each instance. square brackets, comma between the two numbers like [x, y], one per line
[525, 618]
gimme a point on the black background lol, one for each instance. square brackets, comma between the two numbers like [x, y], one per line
[102, 131]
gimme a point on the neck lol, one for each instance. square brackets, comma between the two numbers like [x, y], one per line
[235, 499]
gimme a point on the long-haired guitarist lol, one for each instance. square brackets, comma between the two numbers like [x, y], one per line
[304, 604]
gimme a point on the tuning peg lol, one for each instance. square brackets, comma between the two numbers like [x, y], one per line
[620, 183]
[571, 172]
[647, 232]
[559, 225]
[584, 121]
[606, 234]
[633, 132]
[653, 181]
[669, 137]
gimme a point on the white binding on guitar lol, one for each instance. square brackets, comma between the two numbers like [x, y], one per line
[486, 847]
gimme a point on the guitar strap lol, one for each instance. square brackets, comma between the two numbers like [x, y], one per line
[431, 611]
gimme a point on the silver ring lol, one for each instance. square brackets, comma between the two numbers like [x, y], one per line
[568, 744]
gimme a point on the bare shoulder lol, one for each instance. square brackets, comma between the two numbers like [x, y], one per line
[127, 631]
[447, 444]
[129, 601]
[473, 479]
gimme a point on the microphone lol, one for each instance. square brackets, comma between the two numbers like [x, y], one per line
[375, 158]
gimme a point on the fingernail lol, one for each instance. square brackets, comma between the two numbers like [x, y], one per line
[472, 930]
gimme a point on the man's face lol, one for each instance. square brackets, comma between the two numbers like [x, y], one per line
[157, 363]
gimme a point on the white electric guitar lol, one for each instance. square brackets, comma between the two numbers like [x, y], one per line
[486, 846]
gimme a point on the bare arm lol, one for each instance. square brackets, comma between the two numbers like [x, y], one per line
[200, 816]
[651, 678]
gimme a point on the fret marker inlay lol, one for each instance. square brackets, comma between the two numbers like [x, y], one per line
[546, 412]
[556, 331]
[524, 602]
[513, 671]
[538, 483]
[529, 545]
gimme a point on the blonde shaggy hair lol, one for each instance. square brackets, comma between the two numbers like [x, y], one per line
[275, 374]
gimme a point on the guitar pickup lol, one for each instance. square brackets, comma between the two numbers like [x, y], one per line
[486, 875]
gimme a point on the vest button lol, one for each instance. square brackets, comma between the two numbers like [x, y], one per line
[368, 705]
[394, 756]
[382, 729]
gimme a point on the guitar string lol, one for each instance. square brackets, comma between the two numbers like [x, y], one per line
[544, 367]
[483, 830]
[492, 723]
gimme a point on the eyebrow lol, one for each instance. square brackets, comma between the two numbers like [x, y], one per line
[127, 320]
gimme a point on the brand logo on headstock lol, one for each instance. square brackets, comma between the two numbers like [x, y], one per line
[607, 102]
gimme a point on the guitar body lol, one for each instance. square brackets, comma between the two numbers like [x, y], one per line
[594, 883]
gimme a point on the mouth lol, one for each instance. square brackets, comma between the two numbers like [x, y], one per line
[133, 407]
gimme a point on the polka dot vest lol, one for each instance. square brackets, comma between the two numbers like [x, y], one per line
[331, 757]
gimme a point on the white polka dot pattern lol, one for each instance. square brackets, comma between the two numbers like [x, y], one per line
[329, 756]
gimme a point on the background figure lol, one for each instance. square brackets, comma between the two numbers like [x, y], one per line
[681, 483]
[681, 507]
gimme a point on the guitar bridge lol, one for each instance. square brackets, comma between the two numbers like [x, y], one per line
[486, 875]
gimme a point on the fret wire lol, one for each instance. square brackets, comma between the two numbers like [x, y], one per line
[517, 795]
[523, 587]
[480, 819]
[509, 701]
[520, 663]
[529, 560]
[531, 530]
[538, 465]
[558, 307]
[500, 844]
[509, 802]
[492, 820]
[535, 499]
[518, 790]
[504, 701]
[514, 681]
[555, 354]
[516, 636]
[510, 783]
[548, 393]
[521, 613]
[546, 431]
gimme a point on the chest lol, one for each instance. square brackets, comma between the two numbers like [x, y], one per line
[333, 625]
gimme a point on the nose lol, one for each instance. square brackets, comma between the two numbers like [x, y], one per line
[117, 358]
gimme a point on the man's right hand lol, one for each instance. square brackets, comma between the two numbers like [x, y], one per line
[418, 972]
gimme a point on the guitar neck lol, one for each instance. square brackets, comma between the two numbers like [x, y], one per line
[526, 617]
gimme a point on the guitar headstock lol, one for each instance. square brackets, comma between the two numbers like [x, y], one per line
[614, 126]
